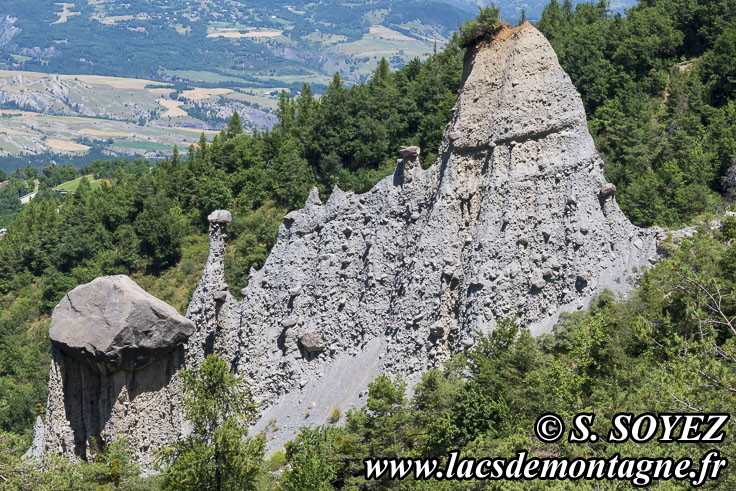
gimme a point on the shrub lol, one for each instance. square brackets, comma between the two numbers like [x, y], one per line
[728, 227]
[485, 25]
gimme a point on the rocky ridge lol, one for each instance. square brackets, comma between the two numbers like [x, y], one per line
[514, 218]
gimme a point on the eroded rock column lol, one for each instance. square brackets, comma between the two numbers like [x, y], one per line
[116, 352]
[211, 300]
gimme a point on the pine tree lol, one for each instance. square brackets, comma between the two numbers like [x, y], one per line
[235, 126]
[202, 147]
[522, 17]
[286, 111]
[551, 22]
[382, 72]
[217, 454]
[175, 157]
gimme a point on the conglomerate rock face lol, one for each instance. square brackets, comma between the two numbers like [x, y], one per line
[515, 217]
[86, 409]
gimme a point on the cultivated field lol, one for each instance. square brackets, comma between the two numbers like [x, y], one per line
[70, 114]
[173, 108]
[379, 42]
[66, 146]
[65, 13]
[73, 185]
[248, 32]
[92, 132]
[197, 94]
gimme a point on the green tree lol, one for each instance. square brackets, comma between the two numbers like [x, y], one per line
[175, 158]
[484, 25]
[234, 126]
[719, 67]
[55, 286]
[213, 193]
[160, 229]
[522, 17]
[293, 178]
[202, 147]
[380, 428]
[551, 21]
[287, 111]
[312, 458]
[218, 453]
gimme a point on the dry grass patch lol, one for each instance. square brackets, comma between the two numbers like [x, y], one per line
[378, 32]
[13, 112]
[197, 94]
[160, 91]
[65, 146]
[65, 13]
[229, 32]
[195, 130]
[91, 132]
[114, 82]
[114, 19]
[263, 34]
[10, 131]
[173, 108]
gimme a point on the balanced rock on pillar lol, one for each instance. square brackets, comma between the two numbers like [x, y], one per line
[116, 352]
[112, 324]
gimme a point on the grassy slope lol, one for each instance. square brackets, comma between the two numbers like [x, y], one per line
[73, 185]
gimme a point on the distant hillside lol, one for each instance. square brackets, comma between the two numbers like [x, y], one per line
[259, 43]
[189, 64]
[511, 9]
[78, 118]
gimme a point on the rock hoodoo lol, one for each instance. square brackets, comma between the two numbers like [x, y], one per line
[115, 354]
[514, 218]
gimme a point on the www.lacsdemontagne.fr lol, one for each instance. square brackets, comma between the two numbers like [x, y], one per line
[639, 471]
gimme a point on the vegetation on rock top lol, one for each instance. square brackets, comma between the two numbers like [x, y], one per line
[484, 26]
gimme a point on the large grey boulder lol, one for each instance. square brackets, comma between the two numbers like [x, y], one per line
[112, 324]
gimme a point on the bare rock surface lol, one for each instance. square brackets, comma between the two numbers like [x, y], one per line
[113, 324]
[86, 408]
[39, 440]
[514, 218]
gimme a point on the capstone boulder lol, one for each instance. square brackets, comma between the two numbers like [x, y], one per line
[112, 324]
